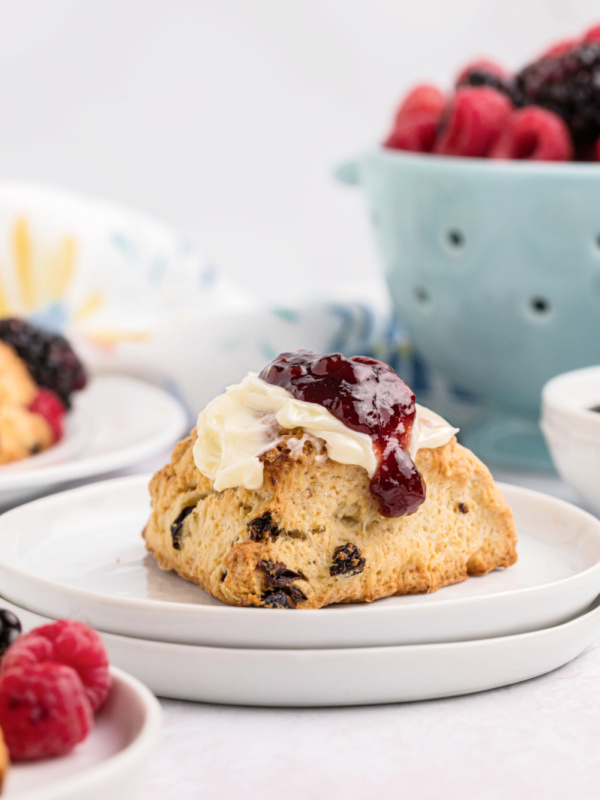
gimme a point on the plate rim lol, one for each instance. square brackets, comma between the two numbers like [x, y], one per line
[170, 607]
[85, 467]
[589, 613]
[201, 669]
[120, 763]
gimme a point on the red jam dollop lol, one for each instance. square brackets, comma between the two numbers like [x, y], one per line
[367, 396]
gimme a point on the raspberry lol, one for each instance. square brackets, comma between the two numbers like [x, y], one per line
[417, 120]
[70, 643]
[44, 711]
[416, 134]
[475, 119]
[567, 85]
[534, 134]
[592, 35]
[50, 358]
[560, 48]
[48, 405]
[423, 99]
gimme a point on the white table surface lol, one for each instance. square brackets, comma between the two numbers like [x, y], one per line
[538, 739]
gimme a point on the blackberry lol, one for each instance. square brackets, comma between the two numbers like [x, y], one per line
[479, 77]
[10, 629]
[49, 357]
[569, 86]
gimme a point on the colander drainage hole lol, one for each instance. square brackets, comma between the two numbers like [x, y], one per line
[455, 238]
[540, 305]
[422, 296]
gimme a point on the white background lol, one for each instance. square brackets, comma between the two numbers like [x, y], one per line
[226, 116]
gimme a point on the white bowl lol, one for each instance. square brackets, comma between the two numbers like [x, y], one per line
[572, 430]
[109, 763]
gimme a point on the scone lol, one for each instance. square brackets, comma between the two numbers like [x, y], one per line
[4, 760]
[22, 432]
[38, 373]
[350, 495]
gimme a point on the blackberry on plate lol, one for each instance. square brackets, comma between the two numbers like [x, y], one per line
[569, 85]
[10, 629]
[50, 358]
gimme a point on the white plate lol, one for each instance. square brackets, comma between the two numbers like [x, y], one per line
[344, 677]
[81, 554]
[108, 763]
[115, 422]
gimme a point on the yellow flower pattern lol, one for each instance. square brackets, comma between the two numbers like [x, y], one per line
[39, 282]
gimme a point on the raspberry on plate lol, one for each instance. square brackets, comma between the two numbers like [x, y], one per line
[48, 405]
[534, 134]
[70, 643]
[44, 711]
[475, 120]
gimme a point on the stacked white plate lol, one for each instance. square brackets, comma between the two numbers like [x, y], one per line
[80, 554]
[115, 422]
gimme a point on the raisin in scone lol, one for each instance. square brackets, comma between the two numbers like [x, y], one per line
[274, 501]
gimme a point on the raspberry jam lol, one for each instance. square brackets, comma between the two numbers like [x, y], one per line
[368, 397]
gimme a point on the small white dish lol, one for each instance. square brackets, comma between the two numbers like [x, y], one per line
[109, 762]
[80, 554]
[115, 422]
[342, 677]
[572, 430]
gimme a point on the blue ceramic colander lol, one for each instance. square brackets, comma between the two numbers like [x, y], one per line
[494, 270]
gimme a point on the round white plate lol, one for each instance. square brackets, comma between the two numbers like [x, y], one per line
[358, 676]
[109, 762]
[80, 554]
[115, 422]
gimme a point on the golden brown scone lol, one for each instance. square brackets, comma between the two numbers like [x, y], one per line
[17, 387]
[312, 535]
[22, 433]
[4, 760]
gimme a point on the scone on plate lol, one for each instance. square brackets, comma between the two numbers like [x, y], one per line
[38, 373]
[4, 760]
[320, 481]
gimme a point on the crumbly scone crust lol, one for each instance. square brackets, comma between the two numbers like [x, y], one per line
[22, 433]
[316, 517]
